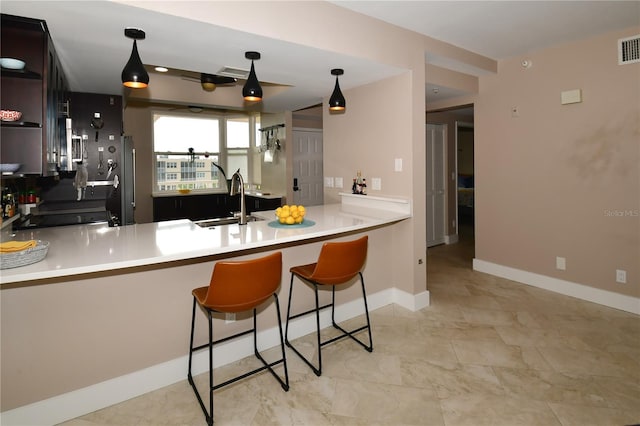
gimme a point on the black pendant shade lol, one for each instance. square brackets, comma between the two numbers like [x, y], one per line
[134, 75]
[337, 101]
[252, 91]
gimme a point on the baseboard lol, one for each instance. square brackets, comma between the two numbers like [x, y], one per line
[86, 400]
[568, 288]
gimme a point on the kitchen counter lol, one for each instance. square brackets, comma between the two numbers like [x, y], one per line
[83, 249]
[120, 298]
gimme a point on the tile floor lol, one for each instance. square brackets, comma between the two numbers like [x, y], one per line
[487, 351]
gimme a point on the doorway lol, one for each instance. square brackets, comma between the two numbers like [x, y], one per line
[307, 167]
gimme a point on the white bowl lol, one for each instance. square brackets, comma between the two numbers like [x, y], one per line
[10, 115]
[12, 64]
[9, 167]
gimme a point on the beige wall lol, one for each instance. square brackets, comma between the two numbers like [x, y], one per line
[465, 151]
[138, 123]
[553, 181]
[273, 175]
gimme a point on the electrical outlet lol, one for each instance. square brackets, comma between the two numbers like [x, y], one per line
[621, 276]
[561, 263]
[229, 318]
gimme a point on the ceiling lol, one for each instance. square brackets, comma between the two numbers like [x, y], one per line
[90, 40]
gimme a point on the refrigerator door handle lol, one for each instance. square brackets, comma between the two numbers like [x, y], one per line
[133, 176]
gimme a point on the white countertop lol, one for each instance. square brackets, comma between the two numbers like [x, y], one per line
[80, 249]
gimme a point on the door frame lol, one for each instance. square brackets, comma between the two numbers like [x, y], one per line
[467, 125]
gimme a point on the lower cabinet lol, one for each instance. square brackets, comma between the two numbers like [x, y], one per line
[193, 207]
[256, 204]
[207, 206]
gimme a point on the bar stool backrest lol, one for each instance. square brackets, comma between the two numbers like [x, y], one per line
[339, 262]
[242, 285]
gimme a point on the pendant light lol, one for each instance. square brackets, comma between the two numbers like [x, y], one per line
[252, 91]
[134, 75]
[337, 101]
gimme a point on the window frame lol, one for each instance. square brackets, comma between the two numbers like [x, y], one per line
[222, 155]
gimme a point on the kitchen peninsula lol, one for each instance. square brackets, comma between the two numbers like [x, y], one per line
[105, 316]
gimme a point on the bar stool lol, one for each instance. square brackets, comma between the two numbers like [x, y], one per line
[337, 263]
[237, 287]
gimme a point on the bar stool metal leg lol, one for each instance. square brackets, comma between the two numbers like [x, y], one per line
[238, 286]
[320, 343]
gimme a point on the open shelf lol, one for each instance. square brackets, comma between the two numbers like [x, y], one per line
[21, 74]
[20, 124]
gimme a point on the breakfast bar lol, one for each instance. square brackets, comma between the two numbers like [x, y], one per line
[105, 316]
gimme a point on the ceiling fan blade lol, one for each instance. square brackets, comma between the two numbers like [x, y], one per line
[217, 79]
[189, 78]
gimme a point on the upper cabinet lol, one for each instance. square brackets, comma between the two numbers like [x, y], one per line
[38, 91]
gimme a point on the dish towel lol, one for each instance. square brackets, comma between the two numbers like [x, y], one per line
[80, 181]
[13, 246]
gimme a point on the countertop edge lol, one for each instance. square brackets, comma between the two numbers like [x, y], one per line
[370, 220]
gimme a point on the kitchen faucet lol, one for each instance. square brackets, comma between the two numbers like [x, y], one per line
[238, 182]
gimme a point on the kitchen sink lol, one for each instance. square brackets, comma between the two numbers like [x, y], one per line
[210, 223]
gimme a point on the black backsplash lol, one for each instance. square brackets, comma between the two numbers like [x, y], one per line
[106, 141]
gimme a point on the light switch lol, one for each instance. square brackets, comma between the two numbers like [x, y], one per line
[376, 183]
[328, 182]
[338, 182]
[398, 164]
[571, 97]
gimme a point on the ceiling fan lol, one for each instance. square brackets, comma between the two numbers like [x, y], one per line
[209, 82]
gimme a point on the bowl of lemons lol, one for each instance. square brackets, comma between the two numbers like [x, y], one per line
[290, 214]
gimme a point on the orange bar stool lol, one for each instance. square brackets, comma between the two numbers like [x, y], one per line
[237, 287]
[338, 263]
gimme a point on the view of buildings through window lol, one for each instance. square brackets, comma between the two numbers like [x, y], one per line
[189, 152]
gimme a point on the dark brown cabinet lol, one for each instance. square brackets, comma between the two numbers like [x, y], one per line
[257, 204]
[194, 207]
[207, 206]
[38, 91]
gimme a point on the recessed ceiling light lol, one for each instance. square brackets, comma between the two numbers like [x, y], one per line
[161, 69]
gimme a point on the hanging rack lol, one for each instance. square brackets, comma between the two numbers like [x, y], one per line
[275, 126]
[271, 142]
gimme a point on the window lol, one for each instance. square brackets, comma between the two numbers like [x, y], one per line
[188, 150]
[238, 144]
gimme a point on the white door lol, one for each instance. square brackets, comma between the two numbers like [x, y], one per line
[436, 180]
[307, 167]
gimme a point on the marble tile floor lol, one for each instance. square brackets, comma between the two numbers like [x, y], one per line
[487, 351]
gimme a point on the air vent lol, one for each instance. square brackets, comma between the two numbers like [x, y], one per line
[629, 50]
[233, 72]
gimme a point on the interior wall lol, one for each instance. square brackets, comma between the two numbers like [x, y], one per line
[369, 140]
[561, 180]
[138, 123]
[465, 151]
[273, 175]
